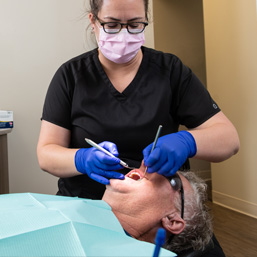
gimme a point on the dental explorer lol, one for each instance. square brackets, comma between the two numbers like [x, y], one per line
[154, 143]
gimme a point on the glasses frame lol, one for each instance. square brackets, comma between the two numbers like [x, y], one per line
[121, 25]
[177, 185]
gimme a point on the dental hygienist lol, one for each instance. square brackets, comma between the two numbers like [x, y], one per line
[117, 95]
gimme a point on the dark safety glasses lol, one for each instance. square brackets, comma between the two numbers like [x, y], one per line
[177, 185]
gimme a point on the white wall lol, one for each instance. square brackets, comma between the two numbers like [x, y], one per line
[231, 58]
[179, 29]
[37, 36]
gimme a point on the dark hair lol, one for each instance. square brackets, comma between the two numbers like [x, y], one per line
[96, 6]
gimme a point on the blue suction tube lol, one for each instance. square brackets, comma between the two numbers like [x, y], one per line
[159, 241]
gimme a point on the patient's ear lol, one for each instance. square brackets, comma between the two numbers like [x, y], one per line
[173, 223]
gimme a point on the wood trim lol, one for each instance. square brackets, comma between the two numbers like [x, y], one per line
[4, 177]
[235, 204]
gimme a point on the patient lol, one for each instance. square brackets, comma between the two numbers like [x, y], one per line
[144, 205]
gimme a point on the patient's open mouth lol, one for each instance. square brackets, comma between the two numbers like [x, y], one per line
[135, 174]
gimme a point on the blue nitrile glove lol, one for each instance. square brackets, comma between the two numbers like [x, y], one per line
[98, 165]
[170, 153]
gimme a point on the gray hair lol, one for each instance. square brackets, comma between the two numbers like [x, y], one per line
[198, 224]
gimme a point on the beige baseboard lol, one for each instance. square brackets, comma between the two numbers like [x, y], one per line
[235, 204]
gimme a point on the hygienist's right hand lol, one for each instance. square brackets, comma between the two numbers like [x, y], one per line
[98, 165]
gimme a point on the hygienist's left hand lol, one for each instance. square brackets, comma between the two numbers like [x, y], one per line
[170, 153]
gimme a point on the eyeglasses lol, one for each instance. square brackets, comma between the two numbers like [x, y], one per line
[177, 185]
[116, 27]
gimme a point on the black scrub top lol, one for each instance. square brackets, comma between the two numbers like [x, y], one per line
[82, 99]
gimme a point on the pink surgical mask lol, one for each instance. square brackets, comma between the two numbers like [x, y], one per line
[121, 47]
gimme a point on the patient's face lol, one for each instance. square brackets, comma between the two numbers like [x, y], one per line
[152, 195]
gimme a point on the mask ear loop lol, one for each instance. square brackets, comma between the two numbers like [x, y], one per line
[89, 44]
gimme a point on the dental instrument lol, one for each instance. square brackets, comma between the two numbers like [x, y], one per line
[92, 143]
[154, 143]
